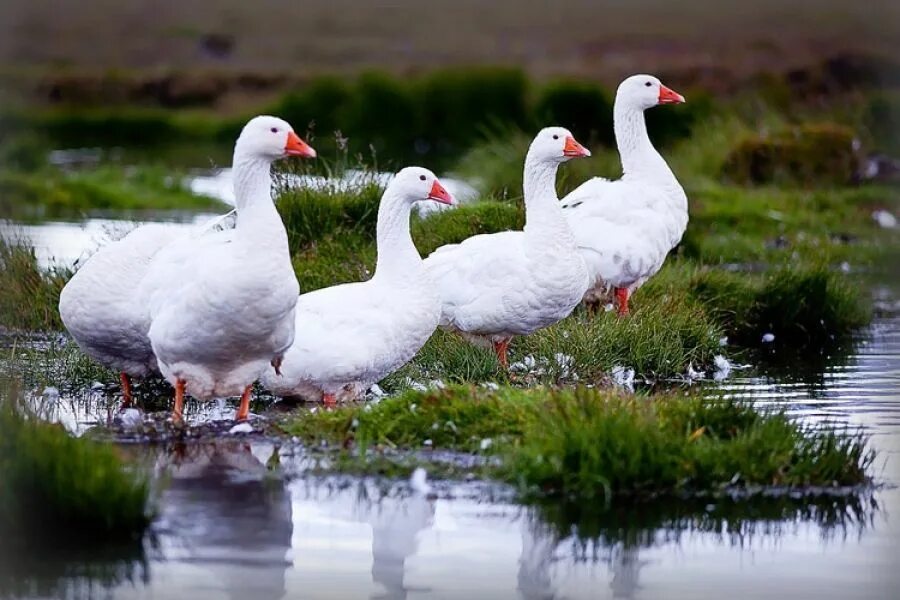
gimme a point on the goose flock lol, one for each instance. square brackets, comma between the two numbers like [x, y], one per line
[215, 310]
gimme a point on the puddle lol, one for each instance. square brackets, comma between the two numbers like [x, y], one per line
[64, 243]
[233, 524]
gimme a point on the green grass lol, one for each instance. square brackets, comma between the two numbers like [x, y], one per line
[91, 126]
[53, 485]
[678, 318]
[311, 216]
[733, 224]
[590, 444]
[659, 341]
[29, 296]
[802, 306]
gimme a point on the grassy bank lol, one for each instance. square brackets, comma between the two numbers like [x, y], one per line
[55, 486]
[586, 443]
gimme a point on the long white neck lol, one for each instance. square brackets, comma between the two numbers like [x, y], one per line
[639, 157]
[397, 255]
[257, 217]
[542, 210]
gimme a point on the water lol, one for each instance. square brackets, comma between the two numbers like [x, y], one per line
[66, 243]
[232, 525]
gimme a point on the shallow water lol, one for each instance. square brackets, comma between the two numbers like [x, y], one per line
[66, 243]
[232, 524]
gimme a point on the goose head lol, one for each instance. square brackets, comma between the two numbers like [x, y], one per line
[415, 184]
[556, 144]
[271, 138]
[645, 91]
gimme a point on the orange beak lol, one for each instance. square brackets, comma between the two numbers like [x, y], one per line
[439, 193]
[668, 96]
[574, 149]
[297, 147]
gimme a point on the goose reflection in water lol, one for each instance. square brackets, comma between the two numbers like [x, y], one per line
[396, 524]
[541, 548]
[226, 520]
[345, 525]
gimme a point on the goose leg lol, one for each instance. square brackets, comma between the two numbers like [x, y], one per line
[329, 400]
[244, 409]
[178, 411]
[126, 389]
[500, 349]
[622, 301]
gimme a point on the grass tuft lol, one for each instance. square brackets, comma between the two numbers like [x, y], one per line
[586, 443]
[311, 215]
[54, 485]
[29, 296]
[801, 306]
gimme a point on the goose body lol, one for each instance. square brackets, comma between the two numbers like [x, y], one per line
[625, 228]
[221, 306]
[496, 286]
[100, 305]
[353, 335]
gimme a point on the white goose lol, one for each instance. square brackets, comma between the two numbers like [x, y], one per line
[101, 309]
[625, 228]
[353, 335]
[500, 285]
[221, 306]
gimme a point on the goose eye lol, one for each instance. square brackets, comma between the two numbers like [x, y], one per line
[648, 84]
[275, 129]
[555, 137]
[422, 177]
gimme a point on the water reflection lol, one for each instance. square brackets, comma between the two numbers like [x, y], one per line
[225, 523]
[232, 524]
[732, 521]
[534, 580]
[70, 571]
[383, 523]
[395, 527]
[62, 243]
